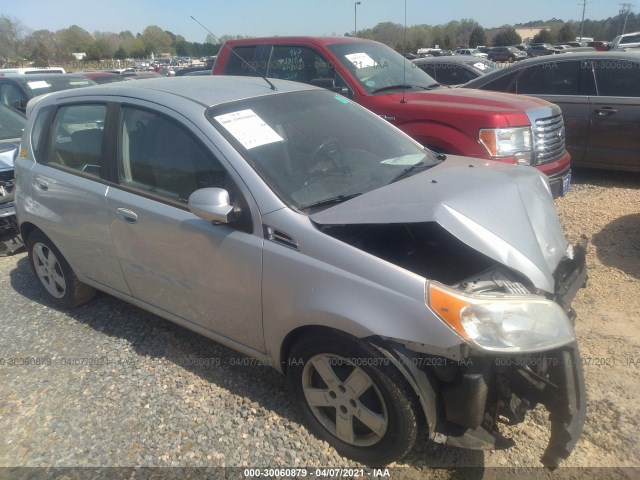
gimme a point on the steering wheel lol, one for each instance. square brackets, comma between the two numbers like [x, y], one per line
[327, 159]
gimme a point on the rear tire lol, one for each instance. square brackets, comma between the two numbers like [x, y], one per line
[55, 276]
[351, 397]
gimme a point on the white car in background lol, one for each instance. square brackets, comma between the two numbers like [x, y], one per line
[471, 51]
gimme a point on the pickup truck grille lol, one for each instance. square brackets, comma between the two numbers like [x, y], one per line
[549, 139]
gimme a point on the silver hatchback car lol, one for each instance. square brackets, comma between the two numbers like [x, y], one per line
[401, 293]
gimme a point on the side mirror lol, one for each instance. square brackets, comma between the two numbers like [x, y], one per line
[18, 105]
[328, 83]
[212, 204]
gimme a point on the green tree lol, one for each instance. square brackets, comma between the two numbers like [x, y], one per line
[478, 37]
[566, 33]
[544, 36]
[41, 56]
[156, 40]
[11, 37]
[507, 37]
[73, 39]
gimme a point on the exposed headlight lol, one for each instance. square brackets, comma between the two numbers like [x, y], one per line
[508, 142]
[502, 323]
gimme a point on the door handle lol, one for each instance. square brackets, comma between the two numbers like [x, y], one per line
[606, 111]
[40, 184]
[127, 215]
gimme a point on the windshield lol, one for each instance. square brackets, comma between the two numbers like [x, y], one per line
[11, 123]
[316, 148]
[42, 86]
[378, 67]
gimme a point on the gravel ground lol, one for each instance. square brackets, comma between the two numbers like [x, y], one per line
[108, 384]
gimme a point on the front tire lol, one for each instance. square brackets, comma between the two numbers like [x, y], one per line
[54, 274]
[353, 399]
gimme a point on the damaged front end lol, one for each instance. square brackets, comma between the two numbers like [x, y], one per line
[10, 241]
[466, 400]
[517, 346]
[500, 274]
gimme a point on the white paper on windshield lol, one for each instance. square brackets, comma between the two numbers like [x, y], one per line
[248, 128]
[361, 60]
[479, 65]
[404, 159]
[38, 84]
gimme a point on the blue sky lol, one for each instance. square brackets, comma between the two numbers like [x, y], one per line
[285, 17]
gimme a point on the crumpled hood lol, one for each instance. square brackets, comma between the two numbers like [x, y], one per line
[503, 211]
[8, 149]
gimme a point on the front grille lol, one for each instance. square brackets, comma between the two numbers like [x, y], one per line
[548, 135]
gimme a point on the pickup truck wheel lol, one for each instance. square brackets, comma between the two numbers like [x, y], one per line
[54, 274]
[352, 398]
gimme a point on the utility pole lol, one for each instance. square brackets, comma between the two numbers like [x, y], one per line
[355, 18]
[626, 10]
[584, 6]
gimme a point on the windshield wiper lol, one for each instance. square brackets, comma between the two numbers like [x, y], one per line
[413, 169]
[331, 201]
[396, 87]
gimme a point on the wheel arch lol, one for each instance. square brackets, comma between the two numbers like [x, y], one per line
[423, 385]
[26, 229]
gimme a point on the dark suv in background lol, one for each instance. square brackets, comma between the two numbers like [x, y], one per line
[599, 94]
[541, 49]
[17, 90]
[506, 54]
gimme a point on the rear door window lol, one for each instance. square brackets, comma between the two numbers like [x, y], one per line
[617, 78]
[77, 137]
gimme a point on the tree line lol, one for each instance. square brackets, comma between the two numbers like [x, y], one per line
[18, 44]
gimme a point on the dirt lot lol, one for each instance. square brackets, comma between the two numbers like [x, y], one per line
[144, 408]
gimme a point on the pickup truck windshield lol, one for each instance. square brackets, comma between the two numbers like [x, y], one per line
[379, 68]
[315, 148]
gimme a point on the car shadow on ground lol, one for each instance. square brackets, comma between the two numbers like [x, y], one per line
[618, 244]
[151, 336]
[605, 178]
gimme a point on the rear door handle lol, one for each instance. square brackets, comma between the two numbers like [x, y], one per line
[127, 215]
[606, 111]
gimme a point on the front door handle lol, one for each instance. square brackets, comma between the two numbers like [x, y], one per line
[604, 111]
[127, 215]
[40, 184]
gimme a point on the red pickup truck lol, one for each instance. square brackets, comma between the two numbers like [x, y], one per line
[494, 126]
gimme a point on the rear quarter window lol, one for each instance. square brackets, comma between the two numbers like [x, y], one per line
[38, 132]
[241, 61]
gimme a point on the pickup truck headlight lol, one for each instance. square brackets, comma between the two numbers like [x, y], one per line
[502, 323]
[508, 142]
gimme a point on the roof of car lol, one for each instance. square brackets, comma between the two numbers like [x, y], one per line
[205, 90]
[326, 40]
[592, 55]
[99, 74]
[42, 76]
